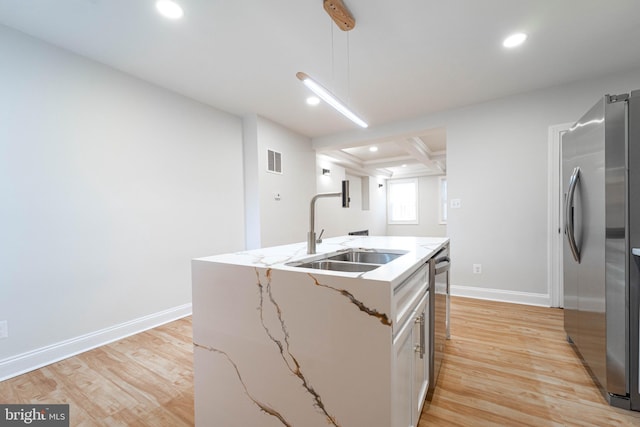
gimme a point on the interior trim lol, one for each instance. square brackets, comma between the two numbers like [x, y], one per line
[528, 298]
[34, 359]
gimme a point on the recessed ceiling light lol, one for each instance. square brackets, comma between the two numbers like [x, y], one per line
[169, 9]
[373, 149]
[514, 40]
[404, 166]
[313, 100]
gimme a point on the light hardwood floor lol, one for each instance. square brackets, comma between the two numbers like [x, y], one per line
[510, 365]
[505, 365]
[143, 380]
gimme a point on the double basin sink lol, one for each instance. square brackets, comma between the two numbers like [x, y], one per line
[350, 260]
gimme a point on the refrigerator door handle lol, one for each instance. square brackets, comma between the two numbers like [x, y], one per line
[568, 212]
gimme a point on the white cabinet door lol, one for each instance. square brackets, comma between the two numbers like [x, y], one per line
[412, 367]
[403, 384]
[421, 356]
[411, 349]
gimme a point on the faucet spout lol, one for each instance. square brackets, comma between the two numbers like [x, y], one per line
[311, 235]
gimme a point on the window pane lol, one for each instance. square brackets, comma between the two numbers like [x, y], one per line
[443, 200]
[402, 201]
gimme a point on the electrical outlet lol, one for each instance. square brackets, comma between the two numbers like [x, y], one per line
[455, 203]
[477, 268]
[4, 329]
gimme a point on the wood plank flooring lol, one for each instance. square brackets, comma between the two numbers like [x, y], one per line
[143, 380]
[510, 365]
[505, 365]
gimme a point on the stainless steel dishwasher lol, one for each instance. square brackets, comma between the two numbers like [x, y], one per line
[439, 313]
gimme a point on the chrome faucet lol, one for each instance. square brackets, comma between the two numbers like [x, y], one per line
[311, 236]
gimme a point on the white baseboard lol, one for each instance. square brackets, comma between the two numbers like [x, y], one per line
[527, 298]
[25, 362]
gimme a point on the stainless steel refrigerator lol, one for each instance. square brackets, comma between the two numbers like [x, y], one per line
[601, 188]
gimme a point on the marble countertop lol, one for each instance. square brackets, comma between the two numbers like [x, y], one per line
[419, 250]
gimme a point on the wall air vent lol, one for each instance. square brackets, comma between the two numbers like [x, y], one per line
[274, 161]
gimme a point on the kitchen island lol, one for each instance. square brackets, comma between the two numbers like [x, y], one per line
[278, 343]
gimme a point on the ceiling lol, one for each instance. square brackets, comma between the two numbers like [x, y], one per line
[419, 155]
[404, 58]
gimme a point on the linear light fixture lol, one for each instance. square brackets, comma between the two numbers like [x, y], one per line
[330, 99]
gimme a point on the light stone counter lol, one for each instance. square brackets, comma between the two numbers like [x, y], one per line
[277, 345]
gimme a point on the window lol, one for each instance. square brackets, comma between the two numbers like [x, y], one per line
[442, 185]
[402, 201]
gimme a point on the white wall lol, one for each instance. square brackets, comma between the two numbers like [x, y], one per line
[109, 186]
[339, 221]
[497, 166]
[272, 222]
[428, 212]
[252, 175]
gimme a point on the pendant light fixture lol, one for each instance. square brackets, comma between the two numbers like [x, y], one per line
[330, 99]
[345, 21]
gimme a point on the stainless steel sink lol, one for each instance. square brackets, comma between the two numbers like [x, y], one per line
[366, 257]
[349, 260]
[339, 266]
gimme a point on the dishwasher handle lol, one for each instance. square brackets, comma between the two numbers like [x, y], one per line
[444, 268]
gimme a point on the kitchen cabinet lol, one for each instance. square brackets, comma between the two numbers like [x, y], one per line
[277, 343]
[421, 356]
[411, 352]
[403, 390]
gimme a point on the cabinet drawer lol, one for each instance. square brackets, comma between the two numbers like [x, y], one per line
[407, 295]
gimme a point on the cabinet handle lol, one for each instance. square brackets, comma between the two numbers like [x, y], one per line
[420, 347]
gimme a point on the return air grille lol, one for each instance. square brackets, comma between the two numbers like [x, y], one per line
[274, 161]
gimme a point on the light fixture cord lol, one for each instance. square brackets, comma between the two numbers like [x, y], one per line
[333, 65]
[348, 72]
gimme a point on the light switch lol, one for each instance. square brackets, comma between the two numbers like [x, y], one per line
[455, 204]
[276, 196]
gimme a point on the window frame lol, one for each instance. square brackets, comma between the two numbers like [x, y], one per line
[390, 184]
[443, 209]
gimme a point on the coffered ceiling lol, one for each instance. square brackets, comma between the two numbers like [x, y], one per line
[423, 154]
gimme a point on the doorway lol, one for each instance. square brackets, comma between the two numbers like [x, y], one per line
[555, 221]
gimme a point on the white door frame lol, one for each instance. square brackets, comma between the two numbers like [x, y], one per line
[555, 221]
